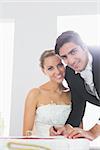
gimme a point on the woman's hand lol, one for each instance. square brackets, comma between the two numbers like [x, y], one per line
[61, 130]
[53, 131]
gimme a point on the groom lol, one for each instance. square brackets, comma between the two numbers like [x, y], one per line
[83, 77]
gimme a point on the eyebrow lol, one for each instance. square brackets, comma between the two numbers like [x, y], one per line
[68, 52]
[72, 50]
[49, 66]
[56, 65]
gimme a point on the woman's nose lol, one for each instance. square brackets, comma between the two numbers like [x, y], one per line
[57, 71]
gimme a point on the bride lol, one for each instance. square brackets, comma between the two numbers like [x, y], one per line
[50, 104]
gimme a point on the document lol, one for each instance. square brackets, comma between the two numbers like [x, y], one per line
[43, 143]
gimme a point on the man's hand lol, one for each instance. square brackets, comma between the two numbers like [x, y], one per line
[64, 130]
[91, 134]
[80, 133]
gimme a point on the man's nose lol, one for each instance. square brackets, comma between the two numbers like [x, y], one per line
[70, 60]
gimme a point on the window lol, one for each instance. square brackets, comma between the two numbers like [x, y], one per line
[6, 66]
[86, 25]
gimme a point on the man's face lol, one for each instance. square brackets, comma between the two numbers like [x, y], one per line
[74, 56]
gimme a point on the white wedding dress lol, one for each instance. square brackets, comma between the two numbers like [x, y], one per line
[50, 115]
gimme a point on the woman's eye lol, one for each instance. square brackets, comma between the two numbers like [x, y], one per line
[50, 68]
[60, 65]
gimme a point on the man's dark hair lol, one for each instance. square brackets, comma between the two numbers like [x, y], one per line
[66, 37]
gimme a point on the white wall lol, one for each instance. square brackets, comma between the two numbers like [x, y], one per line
[35, 31]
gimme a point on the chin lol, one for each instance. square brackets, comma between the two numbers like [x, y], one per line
[59, 81]
[79, 69]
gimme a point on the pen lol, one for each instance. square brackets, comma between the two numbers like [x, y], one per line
[54, 129]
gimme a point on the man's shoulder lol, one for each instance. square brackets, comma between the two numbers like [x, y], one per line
[69, 69]
[94, 49]
[70, 73]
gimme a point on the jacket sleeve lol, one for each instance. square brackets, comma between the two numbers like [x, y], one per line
[78, 109]
[78, 97]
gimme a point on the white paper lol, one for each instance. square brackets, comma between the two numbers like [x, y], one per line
[47, 143]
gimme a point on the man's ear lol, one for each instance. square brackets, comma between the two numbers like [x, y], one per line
[85, 47]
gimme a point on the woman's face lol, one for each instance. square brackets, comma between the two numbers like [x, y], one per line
[54, 68]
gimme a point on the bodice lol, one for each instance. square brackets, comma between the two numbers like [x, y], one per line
[49, 115]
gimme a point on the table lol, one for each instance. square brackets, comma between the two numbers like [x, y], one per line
[48, 143]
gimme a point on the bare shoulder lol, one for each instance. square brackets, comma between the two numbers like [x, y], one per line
[32, 95]
[34, 92]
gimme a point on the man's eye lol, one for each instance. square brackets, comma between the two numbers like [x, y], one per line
[73, 51]
[64, 57]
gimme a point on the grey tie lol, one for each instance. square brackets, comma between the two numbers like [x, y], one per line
[92, 92]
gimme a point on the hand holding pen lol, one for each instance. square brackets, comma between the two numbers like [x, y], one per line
[61, 130]
[53, 131]
[54, 128]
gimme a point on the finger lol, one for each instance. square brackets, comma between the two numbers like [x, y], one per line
[52, 132]
[69, 132]
[73, 133]
[80, 135]
[61, 131]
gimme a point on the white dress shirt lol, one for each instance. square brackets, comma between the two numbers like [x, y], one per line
[98, 122]
[88, 76]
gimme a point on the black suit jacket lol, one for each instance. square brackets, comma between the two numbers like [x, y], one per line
[78, 91]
